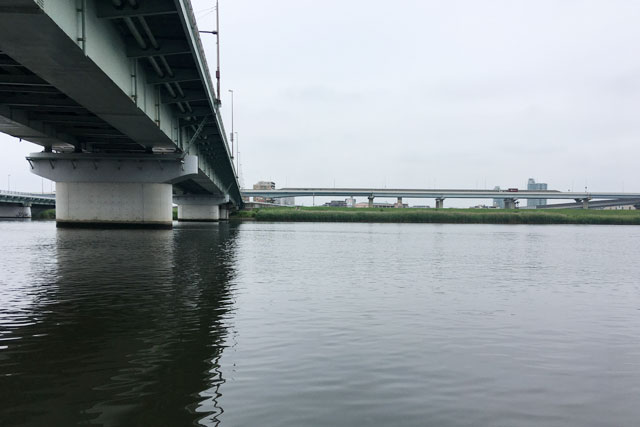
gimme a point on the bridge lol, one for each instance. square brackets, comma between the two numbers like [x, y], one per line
[594, 204]
[119, 95]
[510, 197]
[15, 204]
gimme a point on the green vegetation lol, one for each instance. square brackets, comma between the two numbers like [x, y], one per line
[46, 214]
[451, 216]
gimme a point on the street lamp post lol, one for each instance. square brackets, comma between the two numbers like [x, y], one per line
[8, 182]
[238, 156]
[218, 49]
[217, 34]
[231, 90]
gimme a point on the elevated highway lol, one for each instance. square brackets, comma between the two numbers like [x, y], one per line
[119, 95]
[440, 195]
[593, 204]
[15, 204]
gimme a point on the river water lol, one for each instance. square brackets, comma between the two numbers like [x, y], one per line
[320, 324]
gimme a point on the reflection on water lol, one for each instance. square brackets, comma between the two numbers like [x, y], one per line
[114, 327]
[260, 324]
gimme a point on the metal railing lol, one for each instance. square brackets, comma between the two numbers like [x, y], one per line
[24, 194]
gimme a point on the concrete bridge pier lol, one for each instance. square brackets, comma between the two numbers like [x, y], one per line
[509, 203]
[585, 202]
[439, 203]
[224, 212]
[399, 203]
[15, 210]
[370, 201]
[104, 190]
[201, 207]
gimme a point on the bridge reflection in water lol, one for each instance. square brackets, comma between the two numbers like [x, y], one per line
[119, 327]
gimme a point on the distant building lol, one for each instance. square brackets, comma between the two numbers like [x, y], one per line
[375, 205]
[621, 208]
[286, 201]
[347, 203]
[532, 185]
[264, 185]
[498, 203]
[336, 204]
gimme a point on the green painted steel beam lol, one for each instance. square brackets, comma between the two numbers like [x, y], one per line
[107, 10]
[22, 79]
[35, 100]
[189, 96]
[179, 75]
[167, 47]
[196, 112]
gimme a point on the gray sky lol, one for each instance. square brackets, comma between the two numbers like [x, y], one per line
[420, 94]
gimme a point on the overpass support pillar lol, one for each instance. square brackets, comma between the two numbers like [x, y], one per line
[399, 202]
[585, 203]
[224, 212]
[509, 203]
[439, 203]
[103, 190]
[15, 210]
[203, 208]
[370, 201]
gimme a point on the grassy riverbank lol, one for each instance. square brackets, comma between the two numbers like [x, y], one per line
[450, 216]
[46, 214]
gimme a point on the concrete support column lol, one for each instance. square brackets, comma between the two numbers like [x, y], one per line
[105, 204]
[370, 201]
[224, 212]
[94, 190]
[14, 210]
[200, 207]
[399, 203]
[205, 213]
[585, 203]
[439, 203]
[509, 203]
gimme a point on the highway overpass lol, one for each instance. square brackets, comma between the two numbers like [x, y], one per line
[15, 204]
[597, 204]
[119, 95]
[510, 197]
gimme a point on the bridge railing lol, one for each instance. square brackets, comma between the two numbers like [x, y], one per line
[191, 20]
[27, 194]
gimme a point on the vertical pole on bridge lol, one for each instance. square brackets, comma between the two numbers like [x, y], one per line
[238, 156]
[218, 50]
[231, 91]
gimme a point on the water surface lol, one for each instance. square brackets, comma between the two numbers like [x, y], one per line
[293, 324]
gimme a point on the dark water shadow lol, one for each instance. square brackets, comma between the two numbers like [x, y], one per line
[126, 329]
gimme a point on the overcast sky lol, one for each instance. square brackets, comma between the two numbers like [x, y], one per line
[418, 94]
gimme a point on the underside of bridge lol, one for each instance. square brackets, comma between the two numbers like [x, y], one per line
[126, 80]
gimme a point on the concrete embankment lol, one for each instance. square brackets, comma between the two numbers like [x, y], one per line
[450, 216]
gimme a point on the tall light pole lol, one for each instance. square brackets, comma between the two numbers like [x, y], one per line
[8, 182]
[231, 90]
[217, 34]
[218, 49]
[238, 156]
